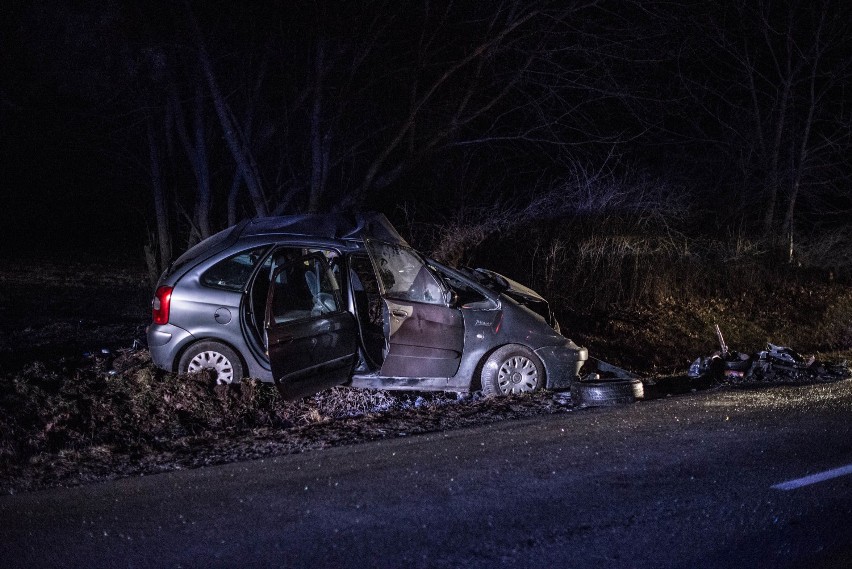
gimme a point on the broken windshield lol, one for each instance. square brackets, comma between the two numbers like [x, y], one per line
[403, 275]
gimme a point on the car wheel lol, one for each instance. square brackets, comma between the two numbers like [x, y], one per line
[604, 392]
[212, 355]
[512, 369]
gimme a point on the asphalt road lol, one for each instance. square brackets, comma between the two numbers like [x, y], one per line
[678, 482]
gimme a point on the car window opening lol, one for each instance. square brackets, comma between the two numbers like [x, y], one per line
[370, 310]
[303, 288]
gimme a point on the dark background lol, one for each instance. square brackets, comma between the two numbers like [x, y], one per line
[725, 122]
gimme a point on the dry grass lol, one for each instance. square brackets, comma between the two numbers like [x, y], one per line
[641, 280]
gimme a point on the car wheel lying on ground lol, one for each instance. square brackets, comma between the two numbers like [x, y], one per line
[600, 392]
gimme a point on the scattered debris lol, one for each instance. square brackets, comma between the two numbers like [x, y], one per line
[775, 363]
[562, 398]
[595, 369]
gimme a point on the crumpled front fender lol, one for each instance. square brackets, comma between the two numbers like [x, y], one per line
[562, 363]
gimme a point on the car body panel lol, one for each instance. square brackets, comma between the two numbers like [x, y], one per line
[426, 340]
[562, 363]
[309, 355]
[166, 343]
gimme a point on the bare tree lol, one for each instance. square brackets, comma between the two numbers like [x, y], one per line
[239, 147]
[195, 148]
[776, 76]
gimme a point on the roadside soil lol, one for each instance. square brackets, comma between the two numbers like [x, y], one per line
[80, 400]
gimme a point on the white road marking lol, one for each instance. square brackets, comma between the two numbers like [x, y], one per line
[814, 478]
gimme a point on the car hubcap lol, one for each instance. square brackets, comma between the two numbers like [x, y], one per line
[517, 375]
[215, 361]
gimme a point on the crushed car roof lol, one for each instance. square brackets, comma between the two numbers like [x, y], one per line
[355, 227]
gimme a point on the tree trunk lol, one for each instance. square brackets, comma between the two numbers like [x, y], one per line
[774, 179]
[237, 146]
[317, 146]
[195, 149]
[202, 170]
[786, 77]
[161, 212]
[232, 198]
[790, 215]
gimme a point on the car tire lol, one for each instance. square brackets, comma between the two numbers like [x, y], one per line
[605, 392]
[512, 369]
[208, 354]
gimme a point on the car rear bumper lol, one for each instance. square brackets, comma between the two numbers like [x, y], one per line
[164, 344]
[562, 363]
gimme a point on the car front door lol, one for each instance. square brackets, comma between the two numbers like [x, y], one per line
[425, 333]
[310, 337]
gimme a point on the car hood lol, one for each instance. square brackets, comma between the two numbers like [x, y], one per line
[502, 284]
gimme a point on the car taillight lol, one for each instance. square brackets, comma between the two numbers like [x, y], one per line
[160, 305]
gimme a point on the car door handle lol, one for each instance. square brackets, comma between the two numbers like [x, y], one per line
[399, 313]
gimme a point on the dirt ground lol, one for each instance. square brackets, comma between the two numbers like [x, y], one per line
[54, 308]
[80, 400]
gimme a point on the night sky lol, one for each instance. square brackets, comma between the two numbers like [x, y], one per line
[61, 190]
[418, 109]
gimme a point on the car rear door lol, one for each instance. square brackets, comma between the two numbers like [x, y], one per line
[426, 334]
[310, 337]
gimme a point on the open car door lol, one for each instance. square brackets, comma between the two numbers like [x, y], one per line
[425, 333]
[310, 337]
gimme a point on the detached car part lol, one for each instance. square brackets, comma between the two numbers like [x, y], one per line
[774, 363]
[599, 392]
[603, 384]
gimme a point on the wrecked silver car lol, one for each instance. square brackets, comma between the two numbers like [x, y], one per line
[312, 301]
